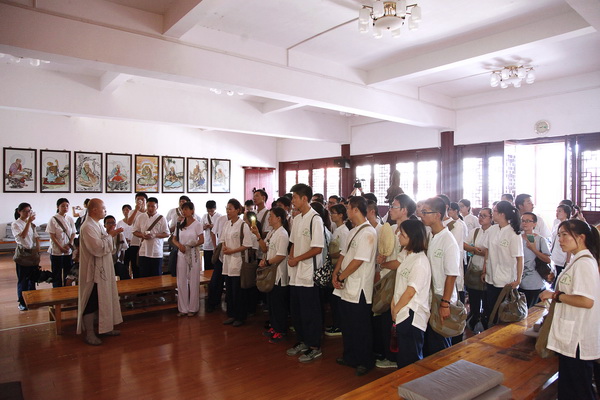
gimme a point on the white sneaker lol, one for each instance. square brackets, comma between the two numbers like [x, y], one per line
[297, 349]
[310, 355]
[385, 363]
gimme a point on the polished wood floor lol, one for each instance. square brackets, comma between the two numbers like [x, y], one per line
[160, 356]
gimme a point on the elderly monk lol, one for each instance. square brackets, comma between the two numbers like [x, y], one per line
[98, 294]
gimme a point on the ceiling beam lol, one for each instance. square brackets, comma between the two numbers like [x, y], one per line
[181, 17]
[588, 9]
[110, 81]
[274, 106]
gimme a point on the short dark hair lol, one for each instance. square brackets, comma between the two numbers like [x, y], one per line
[184, 197]
[109, 217]
[337, 198]
[520, 199]
[237, 205]
[370, 196]
[360, 203]
[302, 190]
[141, 194]
[86, 201]
[533, 216]
[262, 193]
[508, 196]
[61, 200]
[249, 203]
[437, 204]
[417, 235]
[445, 198]
[466, 203]
[152, 200]
[188, 204]
[126, 206]
[319, 197]
[285, 201]
[211, 204]
[406, 202]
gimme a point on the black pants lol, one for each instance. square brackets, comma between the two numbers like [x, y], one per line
[410, 342]
[122, 271]
[305, 307]
[559, 269]
[24, 281]
[208, 265]
[478, 304]
[357, 332]
[61, 266]
[434, 342]
[382, 333]
[92, 303]
[235, 297]
[279, 305]
[492, 294]
[150, 266]
[215, 287]
[575, 378]
[531, 296]
[133, 256]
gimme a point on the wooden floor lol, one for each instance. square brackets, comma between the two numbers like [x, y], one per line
[160, 356]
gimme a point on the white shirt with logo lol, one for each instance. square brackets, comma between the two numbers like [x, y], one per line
[504, 246]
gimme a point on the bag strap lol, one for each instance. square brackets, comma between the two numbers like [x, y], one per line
[505, 292]
[262, 221]
[208, 217]
[58, 221]
[451, 225]
[359, 229]
[314, 258]
[475, 235]
[571, 265]
[154, 223]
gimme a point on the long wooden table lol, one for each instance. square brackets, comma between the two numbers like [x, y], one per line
[503, 348]
[64, 298]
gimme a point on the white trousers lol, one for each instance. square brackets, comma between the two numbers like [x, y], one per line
[188, 285]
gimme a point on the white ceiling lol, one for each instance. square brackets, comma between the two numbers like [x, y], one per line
[448, 57]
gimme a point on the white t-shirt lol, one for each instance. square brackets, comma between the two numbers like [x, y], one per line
[277, 245]
[557, 256]
[504, 246]
[460, 232]
[232, 263]
[471, 221]
[338, 241]
[414, 271]
[28, 241]
[127, 229]
[208, 244]
[135, 241]
[152, 248]
[303, 240]
[444, 257]
[577, 326]
[541, 228]
[363, 247]
[477, 261]
[62, 237]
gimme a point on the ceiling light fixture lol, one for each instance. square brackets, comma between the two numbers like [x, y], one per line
[512, 75]
[34, 62]
[227, 92]
[388, 15]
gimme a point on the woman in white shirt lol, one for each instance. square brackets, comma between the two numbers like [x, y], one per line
[504, 261]
[574, 333]
[189, 235]
[61, 228]
[234, 247]
[471, 221]
[25, 235]
[534, 246]
[410, 304]
[275, 247]
[559, 257]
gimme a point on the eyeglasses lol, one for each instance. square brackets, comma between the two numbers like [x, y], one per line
[526, 221]
[395, 207]
[484, 216]
[429, 212]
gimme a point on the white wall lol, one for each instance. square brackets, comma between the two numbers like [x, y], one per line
[388, 136]
[56, 132]
[293, 150]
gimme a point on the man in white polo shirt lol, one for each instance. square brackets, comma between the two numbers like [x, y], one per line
[353, 282]
[444, 256]
[151, 228]
[308, 240]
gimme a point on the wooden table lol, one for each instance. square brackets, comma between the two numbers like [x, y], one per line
[503, 348]
[64, 298]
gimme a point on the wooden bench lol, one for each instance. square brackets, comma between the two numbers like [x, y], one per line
[63, 299]
[504, 348]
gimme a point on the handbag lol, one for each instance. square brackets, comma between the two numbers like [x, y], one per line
[511, 306]
[26, 257]
[249, 265]
[383, 292]
[543, 268]
[473, 275]
[452, 326]
[541, 342]
[216, 254]
[173, 251]
[265, 277]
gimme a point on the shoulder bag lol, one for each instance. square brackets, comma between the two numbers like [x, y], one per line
[452, 326]
[149, 229]
[26, 257]
[69, 245]
[266, 276]
[511, 306]
[173, 253]
[542, 268]
[473, 275]
[249, 264]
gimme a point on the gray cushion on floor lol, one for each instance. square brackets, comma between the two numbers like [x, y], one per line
[461, 380]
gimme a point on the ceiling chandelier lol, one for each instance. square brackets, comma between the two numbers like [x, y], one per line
[388, 15]
[9, 59]
[512, 75]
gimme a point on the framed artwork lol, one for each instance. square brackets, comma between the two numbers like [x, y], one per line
[219, 175]
[20, 170]
[173, 174]
[118, 173]
[197, 175]
[55, 171]
[146, 173]
[88, 172]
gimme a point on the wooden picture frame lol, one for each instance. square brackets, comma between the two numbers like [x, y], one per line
[146, 173]
[220, 175]
[55, 171]
[119, 176]
[173, 174]
[88, 172]
[197, 175]
[20, 170]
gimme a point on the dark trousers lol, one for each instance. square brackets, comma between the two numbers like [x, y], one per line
[434, 342]
[334, 303]
[410, 342]
[133, 256]
[478, 304]
[357, 333]
[382, 328]
[24, 281]
[305, 308]
[208, 260]
[531, 296]
[279, 300]
[492, 293]
[122, 271]
[559, 269]
[215, 287]
[236, 307]
[92, 303]
[61, 266]
[575, 378]
[150, 266]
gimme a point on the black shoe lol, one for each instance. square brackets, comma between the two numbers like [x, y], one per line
[343, 362]
[362, 370]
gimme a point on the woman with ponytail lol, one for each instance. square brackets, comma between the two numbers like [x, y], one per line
[574, 333]
[504, 259]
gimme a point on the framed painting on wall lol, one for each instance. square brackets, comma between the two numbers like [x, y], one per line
[118, 173]
[197, 175]
[220, 176]
[146, 173]
[55, 171]
[173, 174]
[88, 172]
[20, 170]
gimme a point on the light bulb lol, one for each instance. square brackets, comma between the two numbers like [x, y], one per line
[401, 8]
[378, 9]
[34, 62]
[396, 33]
[415, 13]
[503, 85]
[494, 80]
[377, 32]
[364, 15]
[363, 27]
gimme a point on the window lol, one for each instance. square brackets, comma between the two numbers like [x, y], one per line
[333, 181]
[363, 173]
[318, 180]
[427, 177]
[381, 182]
[407, 177]
[303, 176]
[472, 177]
[589, 180]
[290, 180]
[495, 175]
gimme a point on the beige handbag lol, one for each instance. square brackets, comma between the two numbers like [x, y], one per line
[453, 325]
[383, 292]
[511, 306]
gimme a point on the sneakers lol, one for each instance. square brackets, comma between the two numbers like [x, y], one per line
[228, 321]
[22, 307]
[310, 355]
[362, 370]
[237, 324]
[277, 337]
[333, 331]
[269, 333]
[385, 363]
[297, 349]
